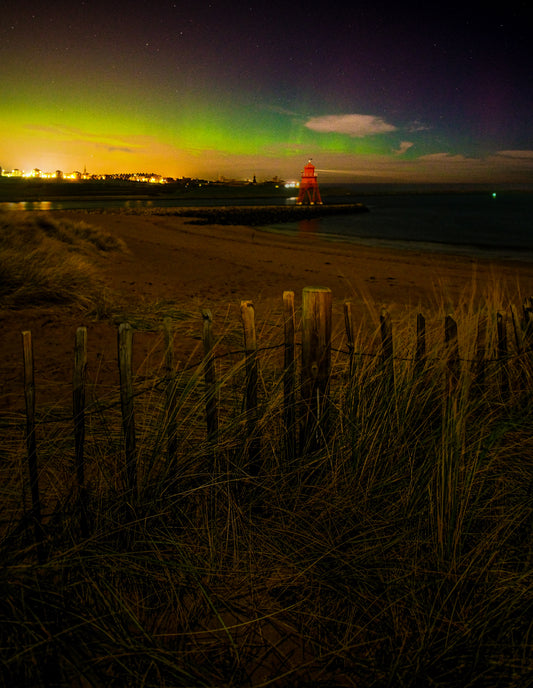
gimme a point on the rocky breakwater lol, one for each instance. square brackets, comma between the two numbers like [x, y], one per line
[259, 215]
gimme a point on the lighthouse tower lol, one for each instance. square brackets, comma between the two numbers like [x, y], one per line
[309, 192]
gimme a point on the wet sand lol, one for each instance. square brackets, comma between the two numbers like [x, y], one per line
[170, 257]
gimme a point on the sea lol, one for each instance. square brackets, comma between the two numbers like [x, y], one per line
[479, 221]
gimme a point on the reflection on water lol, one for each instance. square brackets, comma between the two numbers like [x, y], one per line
[138, 204]
[103, 203]
[311, 226]
[27, 205]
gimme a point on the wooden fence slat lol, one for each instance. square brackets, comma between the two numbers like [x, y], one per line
[501, 334]
[78, 399]
[170, 396]
[348, 325]
[478, 369]
[387, 348]
[519, 344]
[527, 310]
[31, 443]
[125, 358]
[420, 347]
[518, 334]
[250, 347]
[78, 411]
[211, 407]
[453, 366]
[316, 363]
[289, 374]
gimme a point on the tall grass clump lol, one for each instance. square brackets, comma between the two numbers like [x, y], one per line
[395, 550]
[48, 260]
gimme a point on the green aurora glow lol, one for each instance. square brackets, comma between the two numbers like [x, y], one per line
[233, 93]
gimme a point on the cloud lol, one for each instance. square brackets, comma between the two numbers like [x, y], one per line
[352, 125]
[418, 126]
[116, 149]
[443, 157]
[516, 154]
[404, 146]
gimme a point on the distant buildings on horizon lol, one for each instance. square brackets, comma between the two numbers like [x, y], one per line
[151, 177]
[36, 173]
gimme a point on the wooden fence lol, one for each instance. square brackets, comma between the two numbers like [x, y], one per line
[306, 398]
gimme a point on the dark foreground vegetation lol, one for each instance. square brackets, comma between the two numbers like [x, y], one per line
[393, 548]
[43, 260]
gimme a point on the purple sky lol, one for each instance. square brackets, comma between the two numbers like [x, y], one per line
[371, 92]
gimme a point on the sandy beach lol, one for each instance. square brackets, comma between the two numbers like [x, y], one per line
[170, 260]
[171, 257]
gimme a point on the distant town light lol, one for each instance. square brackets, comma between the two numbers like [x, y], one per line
[76, 176]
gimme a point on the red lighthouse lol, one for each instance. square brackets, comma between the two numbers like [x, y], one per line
[309, 192]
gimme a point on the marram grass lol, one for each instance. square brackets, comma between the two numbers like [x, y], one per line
[394, 552]
[46, 260]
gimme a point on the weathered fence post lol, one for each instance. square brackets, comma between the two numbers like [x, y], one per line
[250, 348]
[527, 310]
[353, 391]
[125, 359]
[170, 396]
[78, 411]
[316, 363]
[387, 349]
[527, 342]
[31, 444]
[516, 329]
[348, 324]
[211, 409]
[501, 332]
[420, 348]
[453, 366]
[478, 364]
[519, 344]
[289, 374]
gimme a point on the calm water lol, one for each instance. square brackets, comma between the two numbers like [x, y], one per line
[472, 222]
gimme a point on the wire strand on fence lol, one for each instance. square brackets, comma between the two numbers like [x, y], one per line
[159, 383]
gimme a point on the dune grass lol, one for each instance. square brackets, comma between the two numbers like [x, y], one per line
[48, 260]
[396, 553]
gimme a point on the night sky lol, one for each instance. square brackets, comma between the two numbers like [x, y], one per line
[369, 91]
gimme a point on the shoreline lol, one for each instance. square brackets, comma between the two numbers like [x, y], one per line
[234, 245]
[265, 218]
[220, 260]
[268, 216]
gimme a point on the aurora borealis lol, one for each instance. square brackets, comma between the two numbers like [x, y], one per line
[371, 92]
